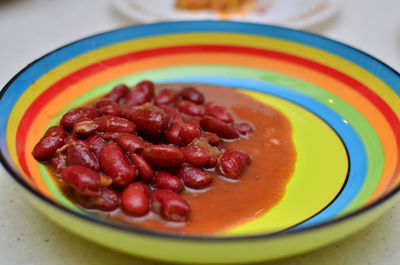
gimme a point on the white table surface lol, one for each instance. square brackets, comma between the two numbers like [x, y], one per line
[31, 28]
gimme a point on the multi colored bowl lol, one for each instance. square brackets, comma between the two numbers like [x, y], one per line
[343, 104]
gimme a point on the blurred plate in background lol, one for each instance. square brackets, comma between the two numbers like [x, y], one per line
[289, 13]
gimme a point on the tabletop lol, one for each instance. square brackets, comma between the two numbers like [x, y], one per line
[31, 28]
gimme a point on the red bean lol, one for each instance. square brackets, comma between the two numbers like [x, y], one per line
[114, 163]
[172, 112]
[84, 180]
[49, 143]
[193, 95]
[193, 121]
[59, 161]
[130, 142]
[125, 112]
[95, 143]
[244, 129]
[117, 93]
[165, 180]
[189, 132]
[70, 137]
[135, 199]
[195, 156]
[212, 163]
[173, 133]
[145, 171]
[107, 201]
[218, 112]
[233, 163]
[166, 96]
[78, 114]
[108, 136]
[79, 153]
[85, 126]
[194, 177]
[212, 138]
[107, 107]
[142, 93]
[170, 205]
[150, 120]
[190, 108]
[162, 156]
[221, 128]
[108, 123]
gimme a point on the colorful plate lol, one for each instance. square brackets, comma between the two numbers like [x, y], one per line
[343, 104]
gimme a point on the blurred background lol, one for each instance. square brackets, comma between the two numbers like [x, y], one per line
[32, 28]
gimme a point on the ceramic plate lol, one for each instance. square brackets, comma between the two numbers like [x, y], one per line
[343, 105]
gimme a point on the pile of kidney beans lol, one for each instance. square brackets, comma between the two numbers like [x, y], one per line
[137, 150]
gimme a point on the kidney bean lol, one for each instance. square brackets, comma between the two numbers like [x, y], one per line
[84, 180]
[145, 171]
[130, 142]
[107, 107]
[125, 112]
[142, 93]
[108, 200]
[194, 177]
[70, 137]
[49, 143]
[79, 153]
[172, 112]
[95, 143]
[108, 136]
[150, 120]
[165, 180]
[78, 114]
[162, 156]
[108, 123]
[190, 108]
[114, 163]
[85, 126]
[243, 128]
[193, 95]
[59, 161]
[135, 199]
[212, 163]
[195, 156]
[222, 129]
[233, 163]
[212, 138]
[193, 121]
[189, 132]
[166, 96]
[117, 93]
[170, 205]
[218, 112]
[172, 134]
